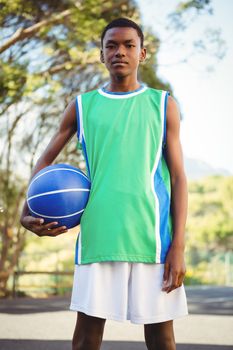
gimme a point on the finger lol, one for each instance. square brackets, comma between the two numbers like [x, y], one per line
[43, 228]
[31, 221]
[35, 221]
[174, 282]
[181, 278]
[52, 232]
[50, 225]
[60, 231]
[166, 272]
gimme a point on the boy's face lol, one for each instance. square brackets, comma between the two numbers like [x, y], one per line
[121, 51]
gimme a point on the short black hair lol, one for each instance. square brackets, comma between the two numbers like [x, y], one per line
[123, 22]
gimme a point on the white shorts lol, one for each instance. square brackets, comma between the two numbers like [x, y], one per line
[123, 291]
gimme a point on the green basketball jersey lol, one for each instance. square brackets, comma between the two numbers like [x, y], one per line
[127, 217]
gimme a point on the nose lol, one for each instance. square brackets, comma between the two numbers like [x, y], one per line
[120, 52]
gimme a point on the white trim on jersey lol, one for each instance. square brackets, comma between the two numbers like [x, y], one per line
[80, 113]
[156, 162]
[121, 95]
[80, 246]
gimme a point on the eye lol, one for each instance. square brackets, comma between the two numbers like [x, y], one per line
[130, 45]
[109, 46]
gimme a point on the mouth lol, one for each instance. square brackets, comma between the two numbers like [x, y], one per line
[119, 63]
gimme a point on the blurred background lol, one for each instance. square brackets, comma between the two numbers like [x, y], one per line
[49, 53]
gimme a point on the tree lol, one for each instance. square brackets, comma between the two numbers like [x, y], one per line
[210, 221]
[210, 230]
[49, 53]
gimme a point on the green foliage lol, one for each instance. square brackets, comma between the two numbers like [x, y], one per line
[193, 4]
[210, 231]
[49, 54]
[13, 77]
[50, 254]
[183, 9]
[210, 220]
[12, 236]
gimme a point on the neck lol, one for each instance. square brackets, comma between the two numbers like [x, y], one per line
[122, 84]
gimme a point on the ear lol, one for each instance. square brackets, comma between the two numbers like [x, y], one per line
[101, 56]
[142, 56]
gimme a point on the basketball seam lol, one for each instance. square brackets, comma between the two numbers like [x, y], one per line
[60, 191]
[54, 217]
[48, 171]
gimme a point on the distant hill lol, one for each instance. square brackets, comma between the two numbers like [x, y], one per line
[196, 169]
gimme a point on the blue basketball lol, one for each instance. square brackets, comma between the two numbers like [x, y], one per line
[59, 193]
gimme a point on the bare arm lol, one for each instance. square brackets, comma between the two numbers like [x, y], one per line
[66, 130]
[174, 265]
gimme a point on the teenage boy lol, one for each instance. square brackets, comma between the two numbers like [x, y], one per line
[130, 250]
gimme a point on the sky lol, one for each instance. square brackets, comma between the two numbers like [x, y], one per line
[204, 95]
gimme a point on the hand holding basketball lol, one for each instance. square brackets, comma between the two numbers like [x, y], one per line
[41, 229]
[57, 195]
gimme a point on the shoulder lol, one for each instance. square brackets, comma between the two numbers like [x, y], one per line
[88, 94]
[69, 116]
[70, 109]
[154, 92]
[171, 103]
[156, 96]
[173, 112]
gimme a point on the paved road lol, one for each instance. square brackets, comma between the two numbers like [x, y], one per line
[46, 324]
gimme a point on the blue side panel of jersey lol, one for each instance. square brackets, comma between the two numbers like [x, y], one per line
[165, 119]
[76, 252]
[164, 211]
[86, 158]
